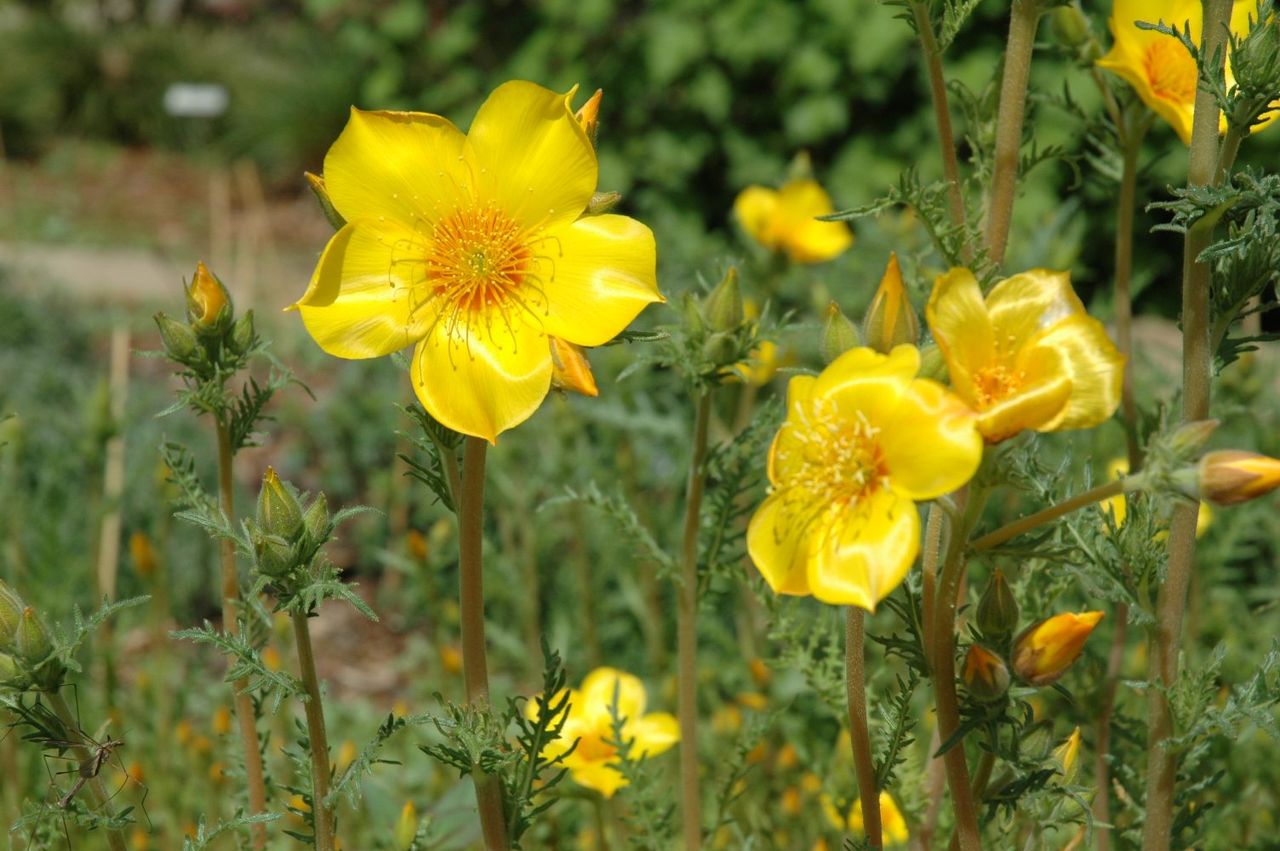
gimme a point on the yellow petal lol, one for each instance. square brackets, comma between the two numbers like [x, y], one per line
[598, 690]
[601, 274]
[1095, 367]
[806, 239]
[961, 326]
[865, 551]
[1034, 405]
[482, 374]
[865, 381]
[359, 303]
[799, 392]
[531, 157]
[776, 542]
[1023, 305]
[599, 776]
[756, 207]
[653, 734]
[930, 442]
[398, 166]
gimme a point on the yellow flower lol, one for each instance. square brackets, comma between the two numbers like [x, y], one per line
[763, 363]
[892, 823]
[862, 443]
[594, 761]
[475, 249]
[1118, 508]
[1229, 476]
[1045, 650]
[786, 220]
[1026, 356]
[1159, 67]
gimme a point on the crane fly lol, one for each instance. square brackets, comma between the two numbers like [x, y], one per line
[90, 766]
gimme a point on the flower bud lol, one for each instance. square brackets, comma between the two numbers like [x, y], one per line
[407, 827]
[985, 674]
[273, 556]
[589, 115]
[32, 641]
[1188, 439]
[1256, 59]
[719, 349]
[1071, 26]
[1228, 476]
[723, 307]
[242, 334]
[316, 519]
[178, 339]
[11, 607]
[932, 364]
[692, 311]
[208, 303]
[11, 674]
[1045, 650]
[316, 182]
[839, 334]
[570, 369]
[1066, 756]
[997, 609]
[278, 509]
[603, 202]
[143, 554]
[891, 321]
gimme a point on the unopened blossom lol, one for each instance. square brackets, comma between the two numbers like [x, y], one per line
[1044, 651]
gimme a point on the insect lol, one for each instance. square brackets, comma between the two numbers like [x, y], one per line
[90, 766]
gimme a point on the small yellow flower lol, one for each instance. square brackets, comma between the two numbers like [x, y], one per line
[1026, 356]
[475, 249]
[1229, 476]
[594, 761]
[450, 658]
[892, 823]
[1159, 67]
[271, 658]
[792, 804]
[407, 827]
[1045, 650]
[862, 443]
[417, 545]
[786, 220]
[139, 840]
[347, 754]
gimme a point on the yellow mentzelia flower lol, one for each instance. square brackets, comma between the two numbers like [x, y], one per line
[476, 249]
[594, 761]
[1158, 66]
[1045, 650]
[786, 220]
[862, 443]
[1026, 356]
[892, 824]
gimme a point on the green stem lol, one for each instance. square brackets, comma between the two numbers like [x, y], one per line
[475, 666]
[687, 631]
[314, 709]
[246, 718]
[1171, 601]
[942, 116]
[1053, 512]
[1227, 155]
[1013, 102]
[856, 693]
[97, 789]
[1124, 274]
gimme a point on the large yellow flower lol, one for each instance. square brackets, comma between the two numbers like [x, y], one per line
[593, 763]
[1026, 356]
[786, 220]
[1158, 66]
[476, 249]
[862, 443]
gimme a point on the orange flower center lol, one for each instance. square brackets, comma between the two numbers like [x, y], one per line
[837, 460]
[1171, 71]
[594, 748]
[477, 258]
[995, 382]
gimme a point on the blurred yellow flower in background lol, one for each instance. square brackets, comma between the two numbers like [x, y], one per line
[474, 248]
[862, 442]
[892, 822]
[786, 220]
[763, 363]
[1159, 67]
[1026, 356]
[1118, 508]
[594, 761]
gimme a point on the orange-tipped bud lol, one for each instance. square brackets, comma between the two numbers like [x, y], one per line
[1045, 650]
[589, 115]
[1229, 476]
[208, 302]
[143, 554]
[891, 321]
[570, 369]
[278, 510]
[985, 674]
[1066, 756]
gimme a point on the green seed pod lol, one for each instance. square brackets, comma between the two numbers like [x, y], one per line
[11, 607]
[178, 338]
[723, 307]
[694, 326]
[997, 609]
[839, 334]
[932, 364]
[278, 509]
[11, 674]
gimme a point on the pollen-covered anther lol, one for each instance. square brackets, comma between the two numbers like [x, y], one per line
[996, 382]
[840, 459]
[478, 258]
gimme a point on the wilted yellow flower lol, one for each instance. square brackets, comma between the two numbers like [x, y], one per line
[1159, 67]
[1118, 508]
[1045, 650]
[594, 761]
[1066, 756]
[891, 321]
[892, 823]
[786, 220]
[475, 249]
[861, 443]
[1026, 356]
[1229, 476]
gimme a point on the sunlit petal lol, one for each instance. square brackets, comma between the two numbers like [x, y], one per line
[1095, 367]
[865, 552]
[930, 443]
[598, 691]
[776, 542]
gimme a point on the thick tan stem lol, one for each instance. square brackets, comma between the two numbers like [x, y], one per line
[859, 737]
[475, 666]
[687, 632]
[941, 116]
[246, 719]
[320, 812]
[1171, 600]
[1013, 103]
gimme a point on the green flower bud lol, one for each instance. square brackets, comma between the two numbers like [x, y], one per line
[692, 311]
[273, 556]
[11, 607]
[316, 519]
[603, 202]
[178, 338]
[208, 303]
[11, 674]
[932, 364]
[1187, 441]
[1071, 26]
[891, 321]
[997, 609]
[242, 335]
[986, 676]
[839, 334]
[316, 182]
[278, 510]
[719, 348]
[723, 307]
[32, 641]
